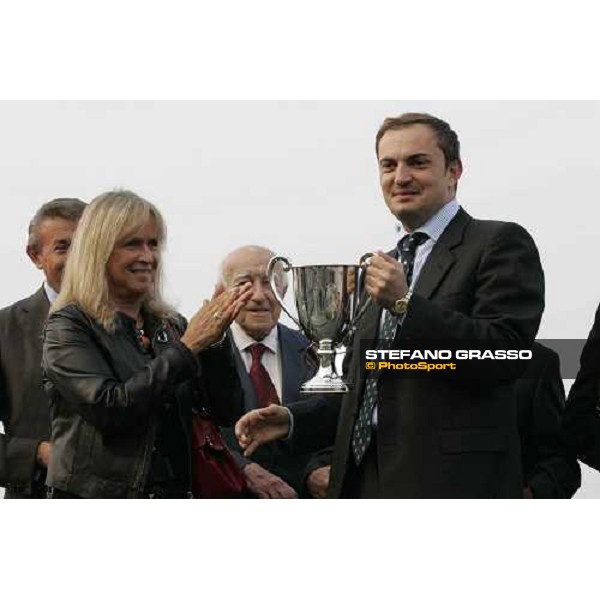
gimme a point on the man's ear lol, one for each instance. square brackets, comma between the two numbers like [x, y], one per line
[455, 170]
[34, 256]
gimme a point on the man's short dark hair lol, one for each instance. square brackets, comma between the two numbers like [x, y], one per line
[69, 209]
[446, 137]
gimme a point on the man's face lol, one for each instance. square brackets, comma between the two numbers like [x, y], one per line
[414, 178]
[261, 312]
[50, 255]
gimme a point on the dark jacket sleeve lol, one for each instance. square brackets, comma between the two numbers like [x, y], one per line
[78, 370]
[230, 439]
[548, 469]
[220, 383]
[582, 416]
[18, 462]
[315, 423]
[2, 460]
[319, 459]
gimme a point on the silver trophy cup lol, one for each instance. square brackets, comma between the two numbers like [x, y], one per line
[327, 301]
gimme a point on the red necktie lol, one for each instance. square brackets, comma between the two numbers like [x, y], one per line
[261, 382]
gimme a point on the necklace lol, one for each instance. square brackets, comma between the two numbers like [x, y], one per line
[143, 339]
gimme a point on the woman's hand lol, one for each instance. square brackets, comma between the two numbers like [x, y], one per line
[208, 325]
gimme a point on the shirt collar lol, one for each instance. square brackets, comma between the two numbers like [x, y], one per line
[51, 294]
[436, 224]
[243, 341]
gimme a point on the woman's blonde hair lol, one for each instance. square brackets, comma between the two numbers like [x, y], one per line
[108, 219]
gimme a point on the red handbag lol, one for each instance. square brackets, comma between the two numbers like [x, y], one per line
[215, 474]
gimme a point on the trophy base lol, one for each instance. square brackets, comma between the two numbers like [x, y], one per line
[324, 386]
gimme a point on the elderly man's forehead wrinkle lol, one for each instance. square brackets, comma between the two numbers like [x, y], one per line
[242, 274]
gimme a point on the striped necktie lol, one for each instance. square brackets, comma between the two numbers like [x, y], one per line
[361, 436]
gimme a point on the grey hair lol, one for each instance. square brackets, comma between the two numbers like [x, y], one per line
[69, 209]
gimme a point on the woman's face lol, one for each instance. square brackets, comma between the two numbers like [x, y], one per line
[131, 268]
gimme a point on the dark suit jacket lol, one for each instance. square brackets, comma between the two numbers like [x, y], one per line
[436, 437]
[24, 408]
[582, 415]
[296, 368]
[547, 468]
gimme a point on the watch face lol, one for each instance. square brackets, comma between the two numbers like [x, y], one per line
[400, 306]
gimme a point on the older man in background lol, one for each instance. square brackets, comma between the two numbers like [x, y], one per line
[272, 361]
[25, 449]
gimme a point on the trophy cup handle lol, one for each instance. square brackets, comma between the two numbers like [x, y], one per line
[361, 307]
[271, 277]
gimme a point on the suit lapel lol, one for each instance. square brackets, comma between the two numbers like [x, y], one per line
[437, 265]
[367, 330]
[34, 313]
[292, 367]
[442, 258]
[368, 324]
[250, 401]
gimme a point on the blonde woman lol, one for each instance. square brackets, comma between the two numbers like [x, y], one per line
[122, 369]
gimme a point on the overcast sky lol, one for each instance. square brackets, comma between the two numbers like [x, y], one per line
[301, 178]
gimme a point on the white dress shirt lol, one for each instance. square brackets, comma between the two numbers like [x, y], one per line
[434, 228]
[51, 294]
[271, 358]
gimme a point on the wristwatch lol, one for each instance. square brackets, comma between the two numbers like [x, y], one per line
[400, 307]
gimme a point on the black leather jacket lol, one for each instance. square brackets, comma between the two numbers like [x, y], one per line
[105, 394]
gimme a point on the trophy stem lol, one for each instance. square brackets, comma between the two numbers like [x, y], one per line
[326, 380]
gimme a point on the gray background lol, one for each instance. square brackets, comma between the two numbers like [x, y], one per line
[301, 177]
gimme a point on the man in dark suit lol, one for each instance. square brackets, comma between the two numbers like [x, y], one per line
[452, 279]
[25, 449]
[272, 361]
[548, 470]
[582, 415]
